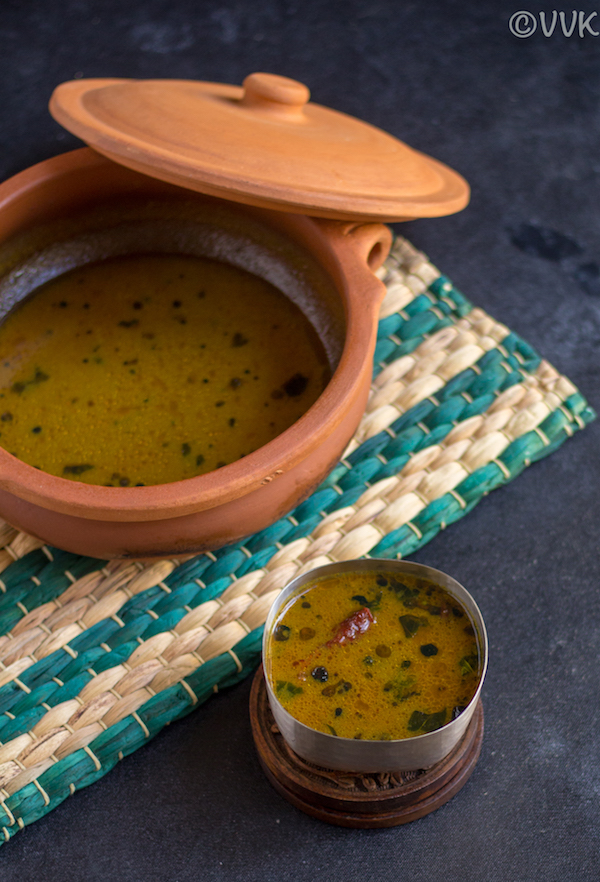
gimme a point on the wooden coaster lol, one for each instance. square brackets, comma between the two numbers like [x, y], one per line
[350, 799]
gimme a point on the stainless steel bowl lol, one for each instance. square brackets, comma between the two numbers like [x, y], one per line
[348, 754]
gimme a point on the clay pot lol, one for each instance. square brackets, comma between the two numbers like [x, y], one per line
[214, 509]
[254, 161]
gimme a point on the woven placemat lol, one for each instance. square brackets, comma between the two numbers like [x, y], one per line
[95, 659]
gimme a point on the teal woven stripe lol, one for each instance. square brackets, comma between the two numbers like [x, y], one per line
[421, 317]
[51, 575]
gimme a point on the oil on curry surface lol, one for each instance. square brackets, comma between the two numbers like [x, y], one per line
[150, 369]
[365, 655]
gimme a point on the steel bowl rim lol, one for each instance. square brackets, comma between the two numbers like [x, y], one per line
[374, 564]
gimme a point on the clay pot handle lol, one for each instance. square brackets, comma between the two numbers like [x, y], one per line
[372, 242]
[361, 249]
[279, 96]
[367, 244]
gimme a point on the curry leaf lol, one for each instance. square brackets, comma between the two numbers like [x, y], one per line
[370, 604]
[434, 721]
[401, 686]
[410, 625]
[403, 592]
[420, 721]
[469, 664]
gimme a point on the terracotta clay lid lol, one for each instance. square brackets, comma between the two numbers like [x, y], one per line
[264, 144]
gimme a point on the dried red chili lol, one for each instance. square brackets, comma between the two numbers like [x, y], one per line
[352, 627]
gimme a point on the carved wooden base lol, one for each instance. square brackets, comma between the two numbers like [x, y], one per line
[350, 799]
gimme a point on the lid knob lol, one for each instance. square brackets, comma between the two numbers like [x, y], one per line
[280, 96]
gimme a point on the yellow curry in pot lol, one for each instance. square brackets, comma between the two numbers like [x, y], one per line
[153, 368]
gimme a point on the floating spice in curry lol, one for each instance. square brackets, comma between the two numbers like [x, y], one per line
[153, 368]
[369, 655]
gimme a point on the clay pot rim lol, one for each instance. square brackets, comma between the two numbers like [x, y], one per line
[357, 249]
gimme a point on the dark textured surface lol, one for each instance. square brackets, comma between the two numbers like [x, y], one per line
[520, 119]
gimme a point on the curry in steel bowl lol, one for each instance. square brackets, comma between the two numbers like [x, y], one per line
[383, 671]
[374, 656]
